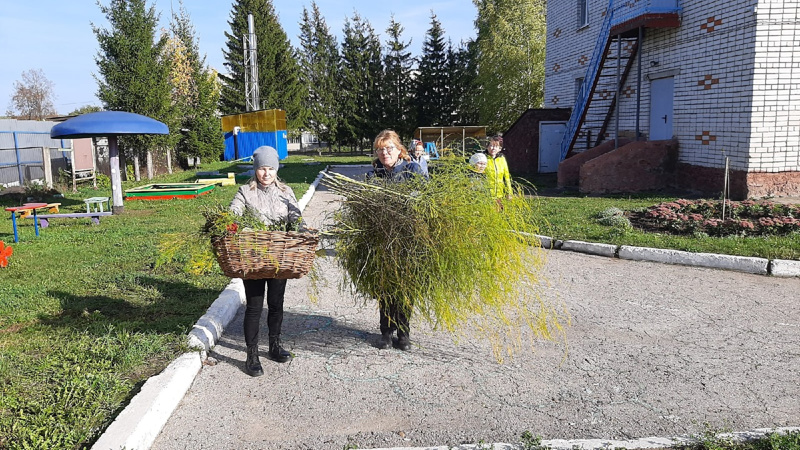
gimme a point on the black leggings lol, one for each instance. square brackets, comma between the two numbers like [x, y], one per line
[254, 292]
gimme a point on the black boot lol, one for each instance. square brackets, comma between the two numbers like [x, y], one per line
[386, 340]
[403, 342]
[276, 352]
[253, 366]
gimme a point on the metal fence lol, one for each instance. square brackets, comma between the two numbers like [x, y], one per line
[21, 151]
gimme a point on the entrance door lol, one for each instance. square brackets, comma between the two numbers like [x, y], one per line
[661, 92]
[550, 135]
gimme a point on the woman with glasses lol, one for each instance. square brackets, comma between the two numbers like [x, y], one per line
[394, 163]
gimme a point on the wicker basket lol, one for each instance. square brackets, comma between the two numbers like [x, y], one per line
[266, 254]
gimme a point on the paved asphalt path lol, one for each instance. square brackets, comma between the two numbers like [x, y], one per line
[652, 350]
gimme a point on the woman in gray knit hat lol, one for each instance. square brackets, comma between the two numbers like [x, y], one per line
[274, 202]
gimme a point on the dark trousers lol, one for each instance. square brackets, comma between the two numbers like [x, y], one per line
[394, 317]
[254, 292]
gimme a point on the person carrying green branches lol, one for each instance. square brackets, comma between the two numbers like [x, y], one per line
[274, 202]
[393, 163]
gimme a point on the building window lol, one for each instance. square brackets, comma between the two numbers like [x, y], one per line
[578, 83]
[583, 13]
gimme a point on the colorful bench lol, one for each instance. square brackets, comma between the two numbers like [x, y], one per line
[44, 219]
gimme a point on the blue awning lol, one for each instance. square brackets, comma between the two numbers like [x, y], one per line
[107, 123]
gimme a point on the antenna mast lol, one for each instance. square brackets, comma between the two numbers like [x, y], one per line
[251, 94]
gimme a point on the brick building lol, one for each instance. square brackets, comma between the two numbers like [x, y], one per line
[720, 78]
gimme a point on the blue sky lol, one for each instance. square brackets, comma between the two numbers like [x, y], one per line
[56, 35]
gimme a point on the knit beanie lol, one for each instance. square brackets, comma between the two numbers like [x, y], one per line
[265, 156]
[477, 158]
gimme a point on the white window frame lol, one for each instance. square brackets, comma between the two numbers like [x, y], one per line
[583, 13]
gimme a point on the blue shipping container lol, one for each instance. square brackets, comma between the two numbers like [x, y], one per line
[248, 141]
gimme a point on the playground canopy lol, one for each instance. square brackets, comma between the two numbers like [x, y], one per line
[109, 124]
[445, 136]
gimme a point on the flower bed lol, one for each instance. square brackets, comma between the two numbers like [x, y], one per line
[745, 218]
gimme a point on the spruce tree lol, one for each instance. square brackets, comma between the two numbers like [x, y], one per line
[432, 80]
[195, 94]
[398, 63]
[510, 59]
[360, 82]
[461, 67]
[134, 71]
[279, 79]
[319, 63]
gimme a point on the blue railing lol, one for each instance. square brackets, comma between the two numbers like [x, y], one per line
[618, 12]
[591, 74]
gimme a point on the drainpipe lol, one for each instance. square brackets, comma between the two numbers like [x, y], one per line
[619, 100]
[639, 82]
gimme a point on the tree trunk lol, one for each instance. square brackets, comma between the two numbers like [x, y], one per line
[149, 164]
[169, 161]
[137, 174]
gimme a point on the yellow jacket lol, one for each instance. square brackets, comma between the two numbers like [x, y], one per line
[498, 176]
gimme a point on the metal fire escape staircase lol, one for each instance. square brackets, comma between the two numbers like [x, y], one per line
[611, 62]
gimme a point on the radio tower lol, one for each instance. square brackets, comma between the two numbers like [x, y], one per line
[251, 94]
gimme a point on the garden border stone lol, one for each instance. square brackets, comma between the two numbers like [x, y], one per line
[784, 268]
[590, 248]
[738, 263]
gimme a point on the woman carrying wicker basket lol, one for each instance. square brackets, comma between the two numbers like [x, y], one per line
[274, 202]
[394, 163]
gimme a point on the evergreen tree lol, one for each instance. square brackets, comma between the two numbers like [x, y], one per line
[133, 72]
[319, 64]
[400, 108]
[360, 82]
[510, 59]
[433, 79]
[461, 66]
[195, 93]
[279, 79]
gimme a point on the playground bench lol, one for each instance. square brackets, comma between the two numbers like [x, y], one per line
[44, 219]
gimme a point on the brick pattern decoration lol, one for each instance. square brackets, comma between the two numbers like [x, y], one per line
[708, 81]
[629, 91]
[583, 60]
[757, 104]
[557, 33]
[705, 137]
[710, 24]
[554, 100]
[556, 67]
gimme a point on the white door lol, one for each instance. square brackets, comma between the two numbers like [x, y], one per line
[661, 92]
[550, 135]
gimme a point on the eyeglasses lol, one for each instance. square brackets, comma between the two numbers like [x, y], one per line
[387, 149]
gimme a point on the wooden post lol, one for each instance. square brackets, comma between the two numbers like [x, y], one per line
[48, 167]
[116, 178]
[169, 161]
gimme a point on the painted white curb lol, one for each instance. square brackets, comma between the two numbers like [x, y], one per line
[311, 189]
[605, 444]
[785, 268]
[590, 248]
[140, 422]
[728, 262]
[209, 328]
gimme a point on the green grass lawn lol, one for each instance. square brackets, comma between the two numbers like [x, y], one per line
[86, 317]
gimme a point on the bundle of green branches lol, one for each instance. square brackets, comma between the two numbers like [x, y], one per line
[193, 250]
[444, 249]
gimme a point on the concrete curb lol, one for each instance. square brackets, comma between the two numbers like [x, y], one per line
[747, 264]
[605, 444]
[784, 268]
[141, 421]
[726, 262]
